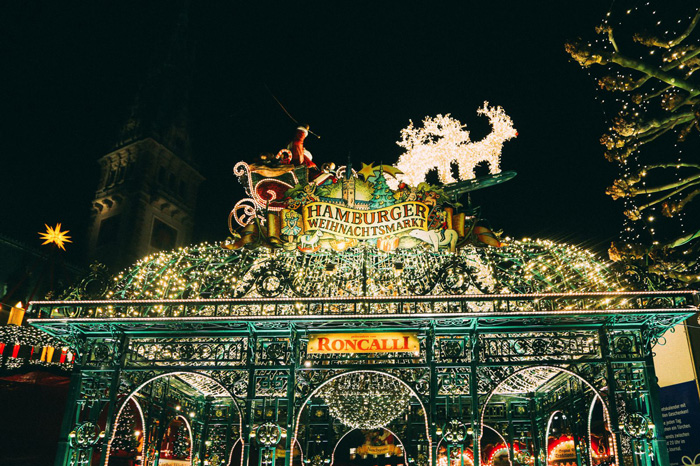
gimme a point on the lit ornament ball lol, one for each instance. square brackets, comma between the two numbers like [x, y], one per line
[366, 400]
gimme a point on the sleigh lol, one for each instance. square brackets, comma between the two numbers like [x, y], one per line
[266, 187]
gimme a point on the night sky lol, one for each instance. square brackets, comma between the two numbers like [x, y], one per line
[357, 72]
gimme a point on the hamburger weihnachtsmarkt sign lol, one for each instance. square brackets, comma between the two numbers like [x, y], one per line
[293, 204]
[351, 223]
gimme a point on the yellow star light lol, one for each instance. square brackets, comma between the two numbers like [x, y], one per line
[367, 170]
[56, 236]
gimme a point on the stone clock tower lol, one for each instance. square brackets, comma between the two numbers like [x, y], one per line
[147, 191]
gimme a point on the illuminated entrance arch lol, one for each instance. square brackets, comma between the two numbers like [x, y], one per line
[254, 342]
[124, 405]
[131, 398]
[552, 416]
[363, 371]
[503, 440]
[606, 425]
[341, 252]
[549, 371]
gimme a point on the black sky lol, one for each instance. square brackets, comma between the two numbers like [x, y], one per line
[355, 71]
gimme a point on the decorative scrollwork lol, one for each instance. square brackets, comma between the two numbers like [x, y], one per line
[271, 383]
[629, 377]
[637, 425]
[268, 434]
[270, 282]
[453, 349]
[93, 286]
[235, 381]
[101, 351]
[525, 347]
[85, 435]
[244, 212]
[454, 432]
[454, 381]
[417, 379]
[624, 344]
[272, 351]
[228, 351]
[455, 278]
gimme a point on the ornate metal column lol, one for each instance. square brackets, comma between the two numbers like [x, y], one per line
[291, 392]
[611, 379]
[94, 387]
[70, 414]
[474, 392]
[432, 402]
[204, 437]
[536, 437]
[246, 428]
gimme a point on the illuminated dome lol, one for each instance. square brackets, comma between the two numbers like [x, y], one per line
[208, 271]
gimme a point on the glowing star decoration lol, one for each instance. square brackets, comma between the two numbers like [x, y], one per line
[55, 236]
[368, 171]
[443, 141]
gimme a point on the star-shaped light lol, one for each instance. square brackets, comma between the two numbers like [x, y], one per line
[368, 170]
[55, 236]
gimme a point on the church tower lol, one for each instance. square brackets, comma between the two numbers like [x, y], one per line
[147, 191]
[349, 186]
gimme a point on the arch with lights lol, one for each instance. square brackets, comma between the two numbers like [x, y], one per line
[437, 318]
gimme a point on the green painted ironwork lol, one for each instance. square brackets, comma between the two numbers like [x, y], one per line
[507, 337]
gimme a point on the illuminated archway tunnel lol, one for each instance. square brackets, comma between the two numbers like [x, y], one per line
[188, 396]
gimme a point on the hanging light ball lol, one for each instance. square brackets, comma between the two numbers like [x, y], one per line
[366, 400]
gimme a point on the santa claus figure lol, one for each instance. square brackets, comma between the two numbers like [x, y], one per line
[300, 156]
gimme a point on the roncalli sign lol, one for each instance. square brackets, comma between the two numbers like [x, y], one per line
[365, 224]
[363, 343]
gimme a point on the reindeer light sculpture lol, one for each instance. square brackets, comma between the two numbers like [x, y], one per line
[443, 141]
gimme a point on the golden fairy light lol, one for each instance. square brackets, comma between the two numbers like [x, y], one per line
[201, 271]
[55, 236]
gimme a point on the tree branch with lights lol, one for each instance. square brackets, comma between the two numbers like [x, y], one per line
[658, 101]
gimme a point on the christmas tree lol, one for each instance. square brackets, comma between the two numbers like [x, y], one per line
[125, 439]
[181, 448]
[382, 196]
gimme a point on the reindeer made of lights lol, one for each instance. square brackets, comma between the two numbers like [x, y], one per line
[443, 141]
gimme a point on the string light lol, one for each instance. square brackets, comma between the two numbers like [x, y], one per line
[655, 105]
[209, 271]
